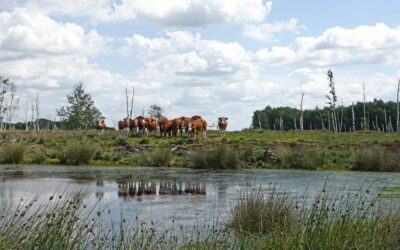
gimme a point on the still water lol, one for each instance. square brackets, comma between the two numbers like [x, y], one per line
[183, 196]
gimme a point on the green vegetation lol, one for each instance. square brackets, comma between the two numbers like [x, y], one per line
[38, 156]
[366, 151]
[276, 221]
[375, 159]
[77, 153]
[272, 220]
[270, 117]
[302, 158]
[12, 153]
[160, 157]
[221, 157]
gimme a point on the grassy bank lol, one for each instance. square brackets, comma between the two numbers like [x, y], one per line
[313, 150]
[272, 220]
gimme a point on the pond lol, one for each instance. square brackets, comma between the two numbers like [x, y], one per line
[182, 196]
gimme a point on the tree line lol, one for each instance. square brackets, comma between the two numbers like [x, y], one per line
[376, 115]
[380, 116]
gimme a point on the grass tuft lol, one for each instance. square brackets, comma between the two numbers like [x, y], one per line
[13, 153]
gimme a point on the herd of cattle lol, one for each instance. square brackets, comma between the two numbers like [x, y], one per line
[192, 126]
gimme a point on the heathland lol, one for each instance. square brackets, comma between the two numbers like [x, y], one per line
[312, 150]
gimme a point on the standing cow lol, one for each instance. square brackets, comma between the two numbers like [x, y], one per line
[141, 125]
[222, 124]
[100, 126]
[151, 125]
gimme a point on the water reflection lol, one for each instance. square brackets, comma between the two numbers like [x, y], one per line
[182, 195]
[130, 189]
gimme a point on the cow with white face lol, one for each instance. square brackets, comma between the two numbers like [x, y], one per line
[100, 126]
[222, 124]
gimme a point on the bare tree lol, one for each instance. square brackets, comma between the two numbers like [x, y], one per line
[302, 113]
[129, 106]
[365, 122]
[398, 108]
[353, 117]
[37, 112]
[26, 108]
[332, 99]
[4, 86]
[12, 105]
[322, 121]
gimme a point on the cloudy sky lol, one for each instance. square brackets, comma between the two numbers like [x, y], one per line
[208, 57]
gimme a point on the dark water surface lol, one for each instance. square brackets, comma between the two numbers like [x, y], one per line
[184, 196]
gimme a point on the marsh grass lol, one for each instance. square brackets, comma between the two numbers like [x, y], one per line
[302, 158]
[38, 156]
[12, 153]
[375, 159]
[160, 157]
[270, 220]
[330, 221]
[78, 153]
[221, 157]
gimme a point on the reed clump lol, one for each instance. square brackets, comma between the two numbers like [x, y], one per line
[12, 153]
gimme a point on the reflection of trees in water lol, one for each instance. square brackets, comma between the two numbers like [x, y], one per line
[128, 189]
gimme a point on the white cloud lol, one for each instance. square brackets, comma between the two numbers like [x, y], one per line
[26, 32]
[266, 31]
[189, 13]
[375, 44]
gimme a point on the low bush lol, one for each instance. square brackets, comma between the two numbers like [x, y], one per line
[38, 156]
[12, 153]
[375, 159]
[260, 214]
[78, 153]
[222, 157]
[301, 158]
[160, 157]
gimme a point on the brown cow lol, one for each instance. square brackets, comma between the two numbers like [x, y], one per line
[185, 124]
[164, 126]
[122, 125]
[100, 126]
[175, 126]
[131, 125]
[141, 124]
[151, 125]
[222, 124]
[197, 126]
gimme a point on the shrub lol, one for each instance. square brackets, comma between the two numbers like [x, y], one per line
[375, 159]
[310, 158]
[160, 157]
[121, 141]
[256, 213]
[38, 156]
[13, 153]
[247, 154]
[222, 157]
[78, 153]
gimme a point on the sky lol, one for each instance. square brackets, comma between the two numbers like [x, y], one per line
[199, 57]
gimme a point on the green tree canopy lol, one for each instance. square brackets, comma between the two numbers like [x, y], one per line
[81, 112]
[155, 111]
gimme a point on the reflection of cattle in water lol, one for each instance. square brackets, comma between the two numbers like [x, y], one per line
[131, 189]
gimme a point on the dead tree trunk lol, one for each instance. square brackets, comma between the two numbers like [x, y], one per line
[353, 117]
[365, 121]
[322, 121]
[302, 112]
[398, 108]
[37, 112]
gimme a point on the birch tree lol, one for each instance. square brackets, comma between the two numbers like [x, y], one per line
[302, 113]
[398, 108]
[332, 99]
